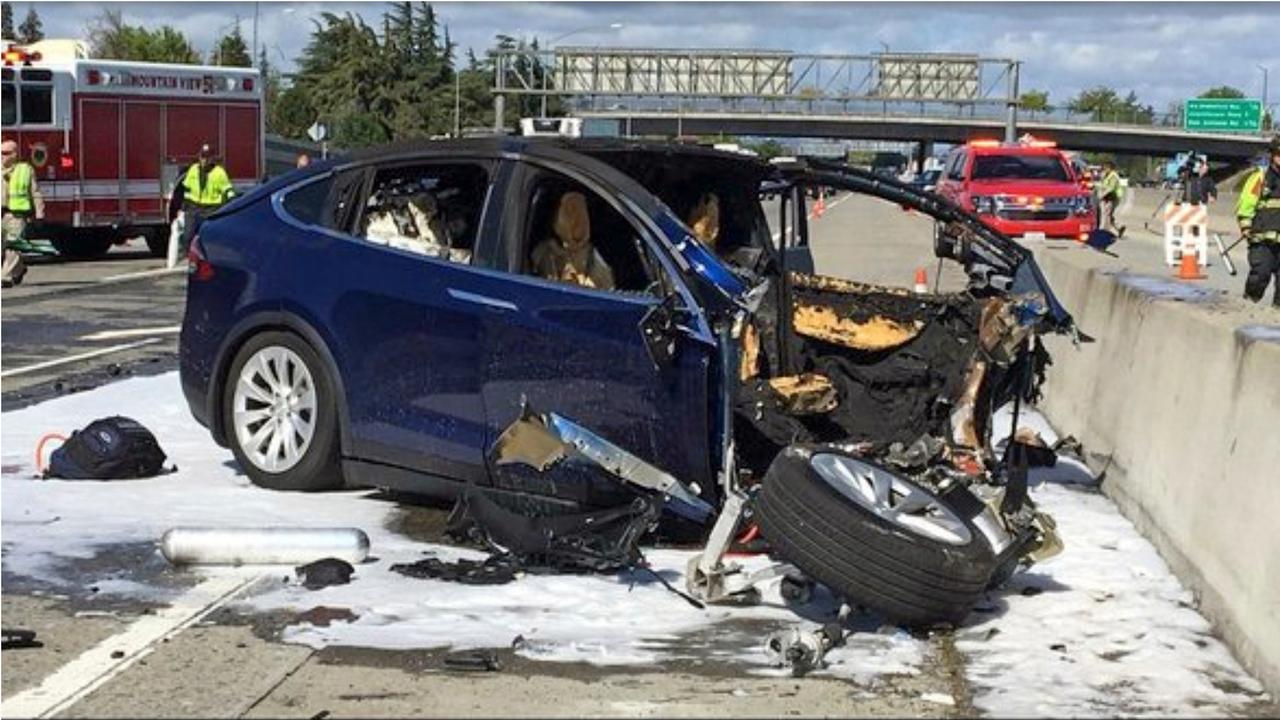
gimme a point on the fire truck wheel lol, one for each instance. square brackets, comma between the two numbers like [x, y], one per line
[874, 537]
[157, 241]
[84, 246]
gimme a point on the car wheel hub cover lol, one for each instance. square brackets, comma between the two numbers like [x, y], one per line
[274, 409]
[891, 498]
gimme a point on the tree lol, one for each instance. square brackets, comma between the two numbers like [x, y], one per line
[768, 149]
[7, 31]
[1035, 101]
[32, 29]
[1222, 91]
[1105, 105]
[231, 50]
[111, 38]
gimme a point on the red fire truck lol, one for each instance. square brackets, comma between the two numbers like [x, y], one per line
[109, 139]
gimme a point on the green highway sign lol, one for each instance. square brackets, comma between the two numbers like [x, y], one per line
[1222, 115]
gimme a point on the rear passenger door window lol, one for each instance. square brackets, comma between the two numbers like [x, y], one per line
[433, 210]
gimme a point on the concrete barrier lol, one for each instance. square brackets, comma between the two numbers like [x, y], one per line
[1181, 392]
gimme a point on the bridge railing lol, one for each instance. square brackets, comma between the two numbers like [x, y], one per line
[570, 72]
[930, 85]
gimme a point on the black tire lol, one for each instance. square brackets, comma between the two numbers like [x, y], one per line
[83, 246]
[320, 467]
[157, 241]
[913, 579]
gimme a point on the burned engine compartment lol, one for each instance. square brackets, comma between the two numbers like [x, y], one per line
[897, 367]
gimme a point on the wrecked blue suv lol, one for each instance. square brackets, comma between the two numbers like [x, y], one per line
[468, 314]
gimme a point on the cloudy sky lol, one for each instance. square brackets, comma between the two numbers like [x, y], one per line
[1164, 51]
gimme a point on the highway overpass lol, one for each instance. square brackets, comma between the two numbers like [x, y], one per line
[1122, 139]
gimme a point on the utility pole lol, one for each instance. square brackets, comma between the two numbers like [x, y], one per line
[1265, 73]
[1011, 123]
[255, 36]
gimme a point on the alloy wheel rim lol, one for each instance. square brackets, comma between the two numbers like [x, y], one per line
[892, 498]
[274, 409]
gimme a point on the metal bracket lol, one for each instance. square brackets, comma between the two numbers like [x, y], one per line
[713, 581]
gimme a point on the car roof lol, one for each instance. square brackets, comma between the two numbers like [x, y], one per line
[549, 147]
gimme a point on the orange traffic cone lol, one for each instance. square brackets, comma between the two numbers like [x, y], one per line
[1190, 267]
[922, 281]
[820, 207]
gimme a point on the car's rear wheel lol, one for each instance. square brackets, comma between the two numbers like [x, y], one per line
[873, 536]
[280, 414]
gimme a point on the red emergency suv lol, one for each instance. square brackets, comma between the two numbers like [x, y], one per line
[1026, 190]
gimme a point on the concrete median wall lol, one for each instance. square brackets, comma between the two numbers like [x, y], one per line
[1183, 395]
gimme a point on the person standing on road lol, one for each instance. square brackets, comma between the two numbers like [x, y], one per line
[1201, 189]
[1111, 190]
[1258, 213]
[22, 202]
[204, 188]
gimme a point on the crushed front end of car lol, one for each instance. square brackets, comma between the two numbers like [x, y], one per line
[854, 422]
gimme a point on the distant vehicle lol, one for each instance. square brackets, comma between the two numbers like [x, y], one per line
[927, 180]
[551, 127]
[108, 138]
[1026, 189]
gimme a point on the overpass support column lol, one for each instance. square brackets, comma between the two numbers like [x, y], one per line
[924, 150]
[1011, 123]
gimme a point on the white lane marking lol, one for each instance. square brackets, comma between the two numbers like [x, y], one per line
[132, 332]
[96, 666]
[76, 358]
[143, 273]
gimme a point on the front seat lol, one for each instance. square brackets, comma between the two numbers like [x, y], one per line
[569, 255]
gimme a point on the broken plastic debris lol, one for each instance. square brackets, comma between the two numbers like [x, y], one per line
[805, 394]
[326, 572]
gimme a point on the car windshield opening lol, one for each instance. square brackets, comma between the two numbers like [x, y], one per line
[1019, 167]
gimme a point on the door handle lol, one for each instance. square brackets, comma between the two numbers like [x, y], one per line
[488, 302]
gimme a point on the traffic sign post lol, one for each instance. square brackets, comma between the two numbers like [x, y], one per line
[1222, 115]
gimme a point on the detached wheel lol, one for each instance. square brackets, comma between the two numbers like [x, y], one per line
[873, 536]
[280, 415]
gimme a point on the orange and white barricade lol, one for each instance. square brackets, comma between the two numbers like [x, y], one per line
[1186, 229]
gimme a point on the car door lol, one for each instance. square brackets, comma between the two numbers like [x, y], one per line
[580, 351]
[410, 338]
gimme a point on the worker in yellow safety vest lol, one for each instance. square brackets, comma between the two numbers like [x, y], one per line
[1258, 213]
[1111, 192]
[205, 187]
[22, 202]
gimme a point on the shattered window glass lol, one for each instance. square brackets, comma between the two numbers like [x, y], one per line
[431, 210]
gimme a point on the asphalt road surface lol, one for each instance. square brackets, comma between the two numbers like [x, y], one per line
[72, 325]
[217, 659]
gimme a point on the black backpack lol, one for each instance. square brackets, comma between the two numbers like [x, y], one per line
[112, 448]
